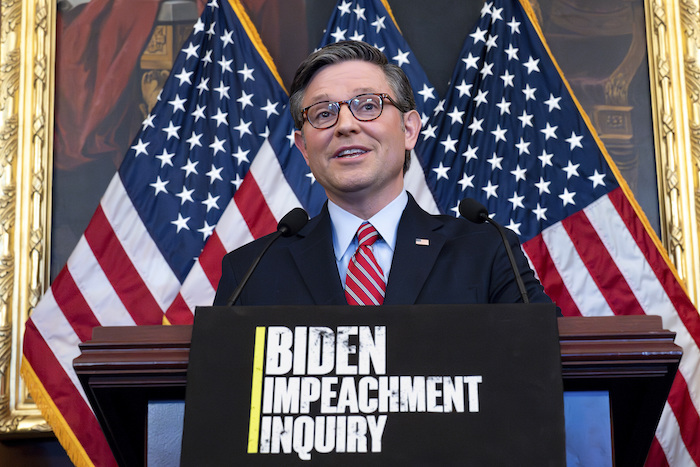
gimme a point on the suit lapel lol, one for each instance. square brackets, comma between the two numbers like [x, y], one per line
[418, 244]
[313, 254]
[413, 258]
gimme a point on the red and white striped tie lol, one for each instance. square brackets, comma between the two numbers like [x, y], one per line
[364, 283]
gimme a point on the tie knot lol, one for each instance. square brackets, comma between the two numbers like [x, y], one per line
[367, 234]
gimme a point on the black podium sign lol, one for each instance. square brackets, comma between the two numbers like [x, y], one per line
[396, 385]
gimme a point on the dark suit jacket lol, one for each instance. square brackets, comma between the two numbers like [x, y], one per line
[463, 263]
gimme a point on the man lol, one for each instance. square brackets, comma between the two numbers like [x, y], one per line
[357, 124]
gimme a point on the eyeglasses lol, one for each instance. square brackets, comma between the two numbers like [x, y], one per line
[365, 108]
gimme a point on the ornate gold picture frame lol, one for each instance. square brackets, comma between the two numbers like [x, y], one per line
[27, 54]
[27, 35]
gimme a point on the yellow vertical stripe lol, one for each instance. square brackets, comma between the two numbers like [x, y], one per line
[256, 391]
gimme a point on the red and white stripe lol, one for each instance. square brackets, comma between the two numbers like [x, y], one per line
[602, 261]
[262, 200]
[106, 282]
[116, 276]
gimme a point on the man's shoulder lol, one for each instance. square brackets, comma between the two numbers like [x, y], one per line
[444, 222]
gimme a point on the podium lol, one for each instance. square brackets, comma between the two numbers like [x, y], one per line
[633, 358]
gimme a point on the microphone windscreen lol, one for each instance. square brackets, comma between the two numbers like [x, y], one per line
[292, 222]
[473, 210]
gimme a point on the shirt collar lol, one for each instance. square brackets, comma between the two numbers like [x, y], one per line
[386, 221]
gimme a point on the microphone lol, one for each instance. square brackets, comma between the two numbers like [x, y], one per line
[289, 225]
[292, 222]
[475, 212]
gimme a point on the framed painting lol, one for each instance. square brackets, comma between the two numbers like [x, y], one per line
[658, 37]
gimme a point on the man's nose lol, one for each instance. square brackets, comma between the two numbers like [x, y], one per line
[345, 117]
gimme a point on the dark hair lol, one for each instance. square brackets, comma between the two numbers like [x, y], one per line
[344, 51]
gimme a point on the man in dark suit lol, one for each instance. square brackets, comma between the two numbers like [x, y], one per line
[357, 125]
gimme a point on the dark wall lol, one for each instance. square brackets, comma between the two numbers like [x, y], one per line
[33, 452]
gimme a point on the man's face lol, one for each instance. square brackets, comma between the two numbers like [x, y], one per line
[356, 161]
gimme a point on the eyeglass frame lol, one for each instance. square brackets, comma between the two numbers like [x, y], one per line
[382, 96]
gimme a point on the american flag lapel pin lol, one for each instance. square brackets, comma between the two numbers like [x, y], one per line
[422, 242]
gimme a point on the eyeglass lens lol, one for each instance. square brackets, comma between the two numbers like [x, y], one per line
[364, 107]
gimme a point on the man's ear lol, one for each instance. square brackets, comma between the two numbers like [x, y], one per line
[412, 125]
[301, 144]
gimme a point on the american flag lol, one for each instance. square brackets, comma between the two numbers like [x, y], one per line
[510, 134]
[214, 167]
